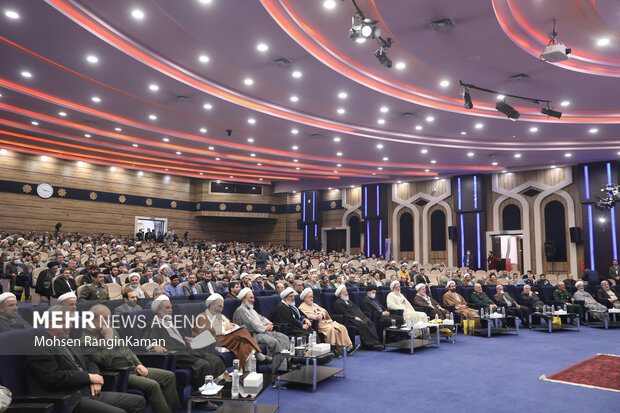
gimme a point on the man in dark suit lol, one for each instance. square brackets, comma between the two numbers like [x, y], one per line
[366, 328]
[614, 272]
[192, 287]
[44, 282]
[606, 295]
[113, 277]
[370, 305]
[286, 313]
[61, 369]
[64, 283]
[207, 284]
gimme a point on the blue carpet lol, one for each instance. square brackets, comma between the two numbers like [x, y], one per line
[498, 374]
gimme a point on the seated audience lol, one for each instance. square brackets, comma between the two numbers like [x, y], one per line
[542, 280]
[64, 283]
[596, 309]
[451, 297]
[614, 272]
[97, 291]
[371, 306]
[422, 299]
[561, 297]
[365, 327]
[607, 295]
[43, 286]
[174, 289]
[397, 301]
[233, 290]
[570, 280]
[192, 286]
[288, 315]
[133, 284]
[503, 299]
[480, 298]
[130, 304]
[530, 298]
[9, 315]
[68, 301]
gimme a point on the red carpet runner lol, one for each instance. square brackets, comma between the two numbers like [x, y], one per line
[600, 372]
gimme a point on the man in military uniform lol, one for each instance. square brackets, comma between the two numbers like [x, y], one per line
[479, 297]
[97, 291]
[562, 297]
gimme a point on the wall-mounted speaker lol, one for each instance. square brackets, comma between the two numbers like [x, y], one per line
[575, 235]
[550, 251]
[452, 233]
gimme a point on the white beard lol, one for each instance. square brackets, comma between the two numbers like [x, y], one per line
[250, 306]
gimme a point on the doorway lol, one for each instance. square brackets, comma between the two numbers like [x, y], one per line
[336, 240]
[508, 247]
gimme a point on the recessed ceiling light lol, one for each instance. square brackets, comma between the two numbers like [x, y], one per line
[553, 166]
[260, 179]
[296, 160]
[444, 83]
[298, 168]
[207, 106]
[178, 153]
[217, 159]
[380, 168]
[248, 81]
[463, 132]
[118, 129]
[494, 163]
[430, 119]
[63, 114]
[231, 176]
[385, 159]
[381, 121]
[564, 103]
[26, 74]
[400, 65]
[203, 130]
[11, 14]
[433, 161]
[478, 126]
[295, 147]
[43, 158]
[427, 170]
[137, 14]
[253, 155]
[384, 109]
[152, 116]
[568, 155]
[593, 130]
[92, 59]
[112, 168]
[251, 140]
[339, 154]
[80, 164]
[294, 131]
[153, 87]
[294, 99]
[379, 146]
[340, 111]
[336, 139]
[296, 74]
[342, 95]
[329, 4]
[35, 123]
[339, 165]
[96, 99]
[211, 148]
[504, 171]
[399, 182]
[603, 41]
[259, 164]
[418, 127]
[424, 150]
[166, 140]
[262, 47]
[87, 135]
[470, 154]
[252, 121]
[517, 155]
[203, 58]
[205, 1]
[533, 129]
[135, 145]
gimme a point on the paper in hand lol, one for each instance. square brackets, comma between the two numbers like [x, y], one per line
[202, 340]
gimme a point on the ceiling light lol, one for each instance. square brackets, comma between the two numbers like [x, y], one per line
[207, 106]
[379, 146]
[11, 14]
[140, 173]
[248, 81]
[294, 131]
[463, 132]
[381, 121]
[385, 159]
[262, 47]
[166, 140]
[533, 129]
[382, 58]
[92, 59]
[500, 97]
[342, 95]
[26, 74]
[217, 159]
[295, 147]
[80, 164]
[470, 154]
[339, 154]
[568, 155]
[251, 140]
[399, 182]
[329, 4]
[339, 165]
[135, 145]
[517, 155]
[336, 139]
[593, 130]
[298, 168]
[494, 163]
[444, 83]
[253, 155]
[87, 135]
[504, 171]
[433, 161]
[252, 121]
[205, 1]
[118, 129]
[294, 99]
[178, 153]
[424, 151]
[296, 74]
[340, 111]
[418, 127]
[603, 41]
[96, 99]
[35, 123]
[63, 114]
[400, 65]
[137, 14]
[43, 158]
[430, 119]
[380, 168]
[211, 148]
[112, 168]
[565, 103]
[553, 166]
[507, 110]
[203, 130]
[203, 58]
[259, 164]
[550, 112]
[384, 109]
[153, 87]
[152, 117]
[478, 126]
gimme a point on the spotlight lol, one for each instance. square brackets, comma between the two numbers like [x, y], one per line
[507, 110]
[382, 58]
[467, 103]
[364, 31]
[550, 112]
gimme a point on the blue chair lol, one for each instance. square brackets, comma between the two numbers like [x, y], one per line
[545, 293]
[466, 292]
[112, 304]
[358, 297]
[382, 297]
[267, 304]
[230, 305]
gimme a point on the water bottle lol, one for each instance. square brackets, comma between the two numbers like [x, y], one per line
[436, 318]
[252, 363]
[311, 344]
[565, 308]
[234, 391]
[481, 312]
[292, 348]
[503, 311]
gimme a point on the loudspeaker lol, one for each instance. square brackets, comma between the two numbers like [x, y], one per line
[452, 233]
[550, 251]
[300, 224]
[575, 235]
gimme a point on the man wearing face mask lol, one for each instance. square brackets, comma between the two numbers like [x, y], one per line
[370, 305]
[366, 328]
[468, 260]
[286, 313]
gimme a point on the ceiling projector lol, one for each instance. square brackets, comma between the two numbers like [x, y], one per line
[555, 53]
